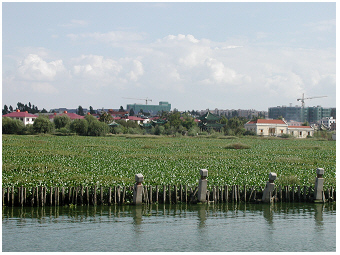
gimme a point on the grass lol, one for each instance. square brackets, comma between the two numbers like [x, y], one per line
[114, 160]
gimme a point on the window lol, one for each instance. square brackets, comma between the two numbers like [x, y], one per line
[281, 131]
[309, 133]
[300, 133]
[27, 119]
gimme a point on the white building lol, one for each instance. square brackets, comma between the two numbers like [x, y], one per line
[265, 127]
[25, 117]
[327, 122]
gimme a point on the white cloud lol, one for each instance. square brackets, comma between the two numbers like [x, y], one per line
[36, 69]
[112, 37]
[75, 23]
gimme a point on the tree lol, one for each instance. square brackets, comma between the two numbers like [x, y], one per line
[80, 111]
[91, 110]
[121, 109]
[11, 126]
[42, 125]
[132, 113]
[5, 110]
[80, 126]
[11, 108]
[106, 118]
[97, 128]
[61, 121]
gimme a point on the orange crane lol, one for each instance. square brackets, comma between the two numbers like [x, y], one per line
[304, 98]
[146, 99]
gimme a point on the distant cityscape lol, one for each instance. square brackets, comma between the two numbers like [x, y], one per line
[290, 113]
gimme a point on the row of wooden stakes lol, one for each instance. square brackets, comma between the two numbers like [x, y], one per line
[172, 194]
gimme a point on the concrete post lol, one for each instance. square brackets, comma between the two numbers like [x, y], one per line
[138, 190]
[318, 188]
[202, 186]
[269, 189]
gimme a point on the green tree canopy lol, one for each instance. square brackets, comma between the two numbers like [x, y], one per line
[42, 125]
[61, 121]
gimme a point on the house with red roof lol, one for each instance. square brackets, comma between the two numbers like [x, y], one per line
[25, 117]
[72, 116]
[269, 127]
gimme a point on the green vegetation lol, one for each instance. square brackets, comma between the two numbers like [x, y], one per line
[114, 160]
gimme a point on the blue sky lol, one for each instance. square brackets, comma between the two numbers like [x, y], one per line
[193, 55]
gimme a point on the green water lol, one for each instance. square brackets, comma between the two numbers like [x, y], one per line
[171, 228]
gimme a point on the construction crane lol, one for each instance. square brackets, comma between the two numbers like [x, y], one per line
[304, 98]
[146, 99]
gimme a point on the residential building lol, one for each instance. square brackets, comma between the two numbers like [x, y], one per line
[297, 113]
[71, 115]
[328, 122]
[25, 117]
[270, 127]
[150, 109]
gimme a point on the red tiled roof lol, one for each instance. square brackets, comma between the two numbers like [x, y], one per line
[20, 115]
[72, 116]
[299, 127]
[264, 121]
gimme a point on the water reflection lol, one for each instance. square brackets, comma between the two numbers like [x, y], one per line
[177, 227]
[138, 213]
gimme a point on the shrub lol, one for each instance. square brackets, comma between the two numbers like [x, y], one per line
[97, 128]
[237, 146]
[11, 126]
[61, 121]
[43, 125]
[79, 126]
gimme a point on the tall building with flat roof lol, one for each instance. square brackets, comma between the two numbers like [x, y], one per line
[297, 113]
[151, 109]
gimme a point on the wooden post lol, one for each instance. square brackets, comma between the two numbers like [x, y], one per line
[42, 196]
[214, 194]
[186, 193]
[25, 195]
[123, 195]
[115, 195]
[299, 193]
[181, 193]
[8, 196]
[62, 195]
[101, 195]
[81, 195]
[150, 194]
[118, 195]
[169, 186]
[226, 193]
[32, 199]
[156, 193]
[245, 193]
[110, 191]
[51, 196]
[55, 196]
[293, 194]
[87, 194]
[233, 193]
[95, 195]
[175, 192]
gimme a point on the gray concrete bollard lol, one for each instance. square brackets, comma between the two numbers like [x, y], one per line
[138, 190]
[203, 186]
[269, 189]
[318, 188]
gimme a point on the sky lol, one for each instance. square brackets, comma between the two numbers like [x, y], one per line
[194, 55]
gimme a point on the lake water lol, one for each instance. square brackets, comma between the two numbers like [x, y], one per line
[229, 227]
